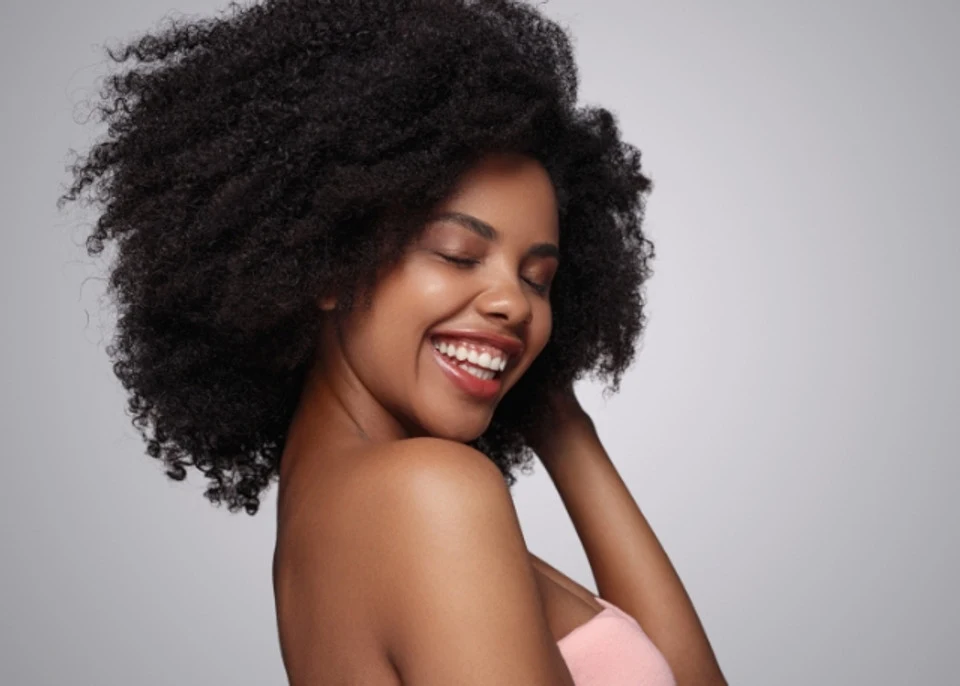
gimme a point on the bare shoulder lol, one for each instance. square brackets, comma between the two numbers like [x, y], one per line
[353, 552]
[435, 463]
[454, 586]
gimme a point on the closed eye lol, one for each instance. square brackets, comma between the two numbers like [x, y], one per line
[460, 261]
[465, 262]
[538, 287]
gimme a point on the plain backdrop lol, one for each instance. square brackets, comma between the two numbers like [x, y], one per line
[789, 427]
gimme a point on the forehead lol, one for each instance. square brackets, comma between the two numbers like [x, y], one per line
[513, 193]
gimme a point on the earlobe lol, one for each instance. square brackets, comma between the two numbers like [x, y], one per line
[328, 303]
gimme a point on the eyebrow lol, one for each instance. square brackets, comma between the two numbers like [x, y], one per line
[486, 231]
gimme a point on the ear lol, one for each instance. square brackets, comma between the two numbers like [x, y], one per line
[327, 303]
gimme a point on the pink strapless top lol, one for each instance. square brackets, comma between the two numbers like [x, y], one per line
[611, 649]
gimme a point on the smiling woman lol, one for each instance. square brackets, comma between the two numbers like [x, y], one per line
[476, 279]
[364, 249]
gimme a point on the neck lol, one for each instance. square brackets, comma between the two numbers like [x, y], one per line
[335, 413]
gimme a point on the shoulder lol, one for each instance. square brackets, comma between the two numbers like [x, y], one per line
[428, 493]
[368, 550]
[419, 551]
[393, 497]
[426, 490]
[433, 501]
[415, 467]
[455, 590]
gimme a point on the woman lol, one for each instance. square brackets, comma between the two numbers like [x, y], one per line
[365, 248]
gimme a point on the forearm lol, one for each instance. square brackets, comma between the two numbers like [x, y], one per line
[629, 565]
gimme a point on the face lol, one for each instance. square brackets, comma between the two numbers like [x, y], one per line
[459, 320]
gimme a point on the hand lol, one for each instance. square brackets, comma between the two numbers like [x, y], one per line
[564, 420]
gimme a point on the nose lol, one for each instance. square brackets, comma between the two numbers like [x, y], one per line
[505, 299]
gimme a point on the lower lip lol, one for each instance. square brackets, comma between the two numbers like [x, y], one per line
[484, 389]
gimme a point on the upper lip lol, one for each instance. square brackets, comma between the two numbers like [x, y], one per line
[508, 344]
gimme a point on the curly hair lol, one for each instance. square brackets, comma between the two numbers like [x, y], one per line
[292, 148]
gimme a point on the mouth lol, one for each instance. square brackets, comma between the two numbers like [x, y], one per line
[475, 367]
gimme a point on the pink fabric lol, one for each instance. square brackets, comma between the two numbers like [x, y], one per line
[611, 649]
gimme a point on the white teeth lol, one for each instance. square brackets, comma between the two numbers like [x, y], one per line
[482, 361]
[485, 374]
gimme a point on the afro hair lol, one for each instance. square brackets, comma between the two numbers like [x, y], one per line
[292, 148]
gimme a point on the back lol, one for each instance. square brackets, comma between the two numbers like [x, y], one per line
[320, 576]
[416, 560]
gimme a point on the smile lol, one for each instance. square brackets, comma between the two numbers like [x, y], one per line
[474, 368]
[482, 360]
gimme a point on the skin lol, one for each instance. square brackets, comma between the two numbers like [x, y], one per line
[377, 371]
[399, 558]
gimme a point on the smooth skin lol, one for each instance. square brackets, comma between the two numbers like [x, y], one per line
[400, 558]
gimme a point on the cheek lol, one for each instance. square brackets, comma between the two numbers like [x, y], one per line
[405, 304]
[542, 325]
[436, 284]
[419, 281]
[406, 296]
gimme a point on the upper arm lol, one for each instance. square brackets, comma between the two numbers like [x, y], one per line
[456, 594]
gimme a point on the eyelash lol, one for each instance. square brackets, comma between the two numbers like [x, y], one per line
[461, 261]
[464, 262]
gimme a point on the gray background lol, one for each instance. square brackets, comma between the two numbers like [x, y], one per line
[789, 427]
